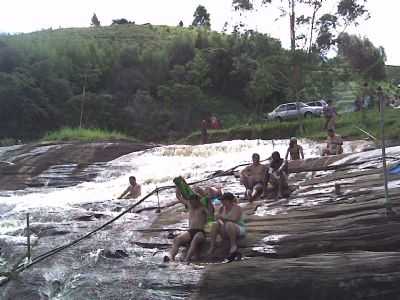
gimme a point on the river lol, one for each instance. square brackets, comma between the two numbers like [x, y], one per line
[110, 265]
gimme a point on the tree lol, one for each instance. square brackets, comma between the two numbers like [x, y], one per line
[363, 56]
[180, 23]
[312, 28]
[95, 21]
[122, 21]
[201, 17]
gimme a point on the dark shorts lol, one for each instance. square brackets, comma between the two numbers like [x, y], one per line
[193, 232]
[257, 183]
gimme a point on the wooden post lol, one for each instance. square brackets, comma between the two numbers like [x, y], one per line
[388, 203]
[158, 202]
[28, 238]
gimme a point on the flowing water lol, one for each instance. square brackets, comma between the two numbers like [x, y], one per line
[110, 265]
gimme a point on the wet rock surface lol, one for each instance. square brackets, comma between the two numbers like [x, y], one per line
[58, 165]
[320, 243]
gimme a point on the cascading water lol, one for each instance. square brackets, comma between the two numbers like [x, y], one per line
[86, 271]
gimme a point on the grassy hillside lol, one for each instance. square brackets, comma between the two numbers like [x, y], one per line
[153, 83]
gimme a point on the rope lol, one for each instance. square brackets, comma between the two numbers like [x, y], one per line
[21, 267]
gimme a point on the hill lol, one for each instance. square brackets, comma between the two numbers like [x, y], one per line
[154, 83]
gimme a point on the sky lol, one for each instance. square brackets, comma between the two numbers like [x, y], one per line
[28, 15]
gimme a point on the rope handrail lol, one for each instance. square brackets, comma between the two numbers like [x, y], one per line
[21, 267]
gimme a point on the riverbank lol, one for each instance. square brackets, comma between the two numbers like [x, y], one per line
[348, 126]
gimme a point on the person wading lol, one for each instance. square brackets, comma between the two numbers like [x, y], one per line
[295, 150]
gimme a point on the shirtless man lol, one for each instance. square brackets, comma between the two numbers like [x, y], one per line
[195, 235]
[132, 191]
[333, 144]
[277, 175]
[252, 178]
[295, 150]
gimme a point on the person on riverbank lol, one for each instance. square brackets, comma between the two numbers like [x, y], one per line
[195, 235]
[295, 150]
[252, 177]
[133, 191]
[330, 115]
[204, 133]
[229, 225]
[334, 144]
[277, 176]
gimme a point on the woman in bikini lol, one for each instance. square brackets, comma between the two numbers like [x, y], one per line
[229, 225]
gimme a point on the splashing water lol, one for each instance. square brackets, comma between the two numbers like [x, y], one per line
[78, 271]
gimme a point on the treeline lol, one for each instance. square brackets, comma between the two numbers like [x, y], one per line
[150, 82]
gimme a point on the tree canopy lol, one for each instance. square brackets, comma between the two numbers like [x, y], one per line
[201, 17]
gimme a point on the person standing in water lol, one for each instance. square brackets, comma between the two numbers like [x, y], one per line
[334, 144]
[295, 150]
[132, 191]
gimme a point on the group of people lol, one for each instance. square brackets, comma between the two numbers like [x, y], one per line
[215, 213]
[256, 177]
[226, 222]
[211, 123]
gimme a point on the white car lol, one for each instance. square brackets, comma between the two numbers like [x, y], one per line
[289, 111]
[318, 103]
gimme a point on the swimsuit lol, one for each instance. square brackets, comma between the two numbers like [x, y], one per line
[193, 232]
[240, 223]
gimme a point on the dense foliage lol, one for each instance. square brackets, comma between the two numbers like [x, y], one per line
[151, 82]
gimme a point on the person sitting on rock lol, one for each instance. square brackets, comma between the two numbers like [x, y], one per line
[229, 225]
[252, 178]
[195, 235]
[277, 175]
[334, 144]
[132, 191]
[295, 150]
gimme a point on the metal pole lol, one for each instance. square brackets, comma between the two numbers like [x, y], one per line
[28, 238]
[158, 202]
[388, 203]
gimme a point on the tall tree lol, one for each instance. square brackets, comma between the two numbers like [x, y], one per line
[201, 17]
[310, 27]
[365, 59]
[95, 21]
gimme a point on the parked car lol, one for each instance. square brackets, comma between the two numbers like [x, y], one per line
[289, 111]
[319, 103]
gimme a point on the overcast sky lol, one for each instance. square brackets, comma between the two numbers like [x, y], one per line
[28, 15]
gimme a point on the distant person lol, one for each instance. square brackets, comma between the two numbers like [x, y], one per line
[195, 235]
[330, 115]
[229, 225]
[358, 104]
[277, 175]
[132, 191]
[204, 133]
[252, 177]
[295, 151]
[334, 144]
[215, 124]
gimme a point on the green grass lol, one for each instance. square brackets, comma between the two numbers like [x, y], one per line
[313, 128]
[82, 134]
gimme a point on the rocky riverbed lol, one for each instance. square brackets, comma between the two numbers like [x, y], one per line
[317, 244]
